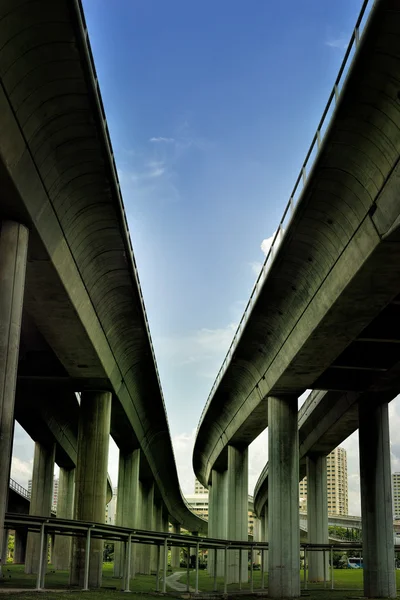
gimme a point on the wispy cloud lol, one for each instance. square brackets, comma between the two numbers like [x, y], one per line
[338, 43]
[165, 140]
[205, 348]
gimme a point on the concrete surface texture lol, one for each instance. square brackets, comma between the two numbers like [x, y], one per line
[65, 509]
[86, 327]
[91, 481]
[127, 514]
[41, 499]
[376, 501]
[13, 253]
[283, 503]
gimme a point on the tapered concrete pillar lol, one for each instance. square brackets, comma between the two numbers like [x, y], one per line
[20, 540]
[4, 550]
[165, 520]
[237, 508]
[65, 510]
[257, 537]
[175, 550]
[158, 526]
[317, 517]
[211, 528]
[127, 513]
[143, 551]
[283, 498]
[218, 513]
[91, 481]
[264, 535]
[41, 499]
[13, 252]
[376, 500]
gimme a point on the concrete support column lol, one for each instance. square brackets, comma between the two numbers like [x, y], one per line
[158, 526]
[165, 520]
[211, 528]
[317, 516]
[264, 535]
[4, 550]
[65, 510]
[175, 550]
[237, 508]
[91, 481]
[41, 499]
[218, 503]
[376, 500]
[143, 557]
[20, 540]
[257, 537]
[13, 251]
[127, 513]
[283, 498]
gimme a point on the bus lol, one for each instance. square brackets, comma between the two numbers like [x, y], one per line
[355, 563]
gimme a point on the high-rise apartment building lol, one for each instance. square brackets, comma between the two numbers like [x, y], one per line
[396, 495]
[54, 498]
[199, 488]
[336, 481]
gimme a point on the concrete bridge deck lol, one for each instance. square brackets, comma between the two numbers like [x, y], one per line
[320, 318]
[84, 324]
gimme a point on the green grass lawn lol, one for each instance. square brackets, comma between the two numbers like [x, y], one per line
[344, 579]
[14, 577]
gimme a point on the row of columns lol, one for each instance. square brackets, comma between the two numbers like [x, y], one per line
[283, 506]
[280, 521]
[82, 491]
[228, 514]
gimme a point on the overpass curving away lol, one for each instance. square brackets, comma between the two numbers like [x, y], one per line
[323, 315]
[336, 268]
[72, 297]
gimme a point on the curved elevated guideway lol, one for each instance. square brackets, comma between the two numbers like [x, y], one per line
[324, 310]
[84, 326]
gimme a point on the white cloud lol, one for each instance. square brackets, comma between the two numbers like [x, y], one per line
[165, 140]
[256, 267]
[202, 346]
[183, 449]
[267, 242]
[21, 471]
[338, 43]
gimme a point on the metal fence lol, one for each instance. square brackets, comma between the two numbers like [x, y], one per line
[19, 489]
[163, 541]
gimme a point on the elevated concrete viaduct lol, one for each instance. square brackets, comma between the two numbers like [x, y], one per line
[71, 297]
[314, 319]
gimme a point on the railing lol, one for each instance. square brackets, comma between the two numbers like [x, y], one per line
[19, 489]
[163, 541]
[299, 186]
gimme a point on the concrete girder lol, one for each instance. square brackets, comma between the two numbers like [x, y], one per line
[57, 167]
[337, 266]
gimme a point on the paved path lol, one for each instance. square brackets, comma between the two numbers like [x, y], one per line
[176, 585]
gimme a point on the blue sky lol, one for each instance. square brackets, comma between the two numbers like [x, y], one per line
[211, 108]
